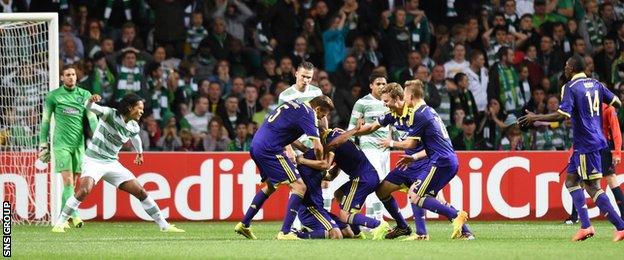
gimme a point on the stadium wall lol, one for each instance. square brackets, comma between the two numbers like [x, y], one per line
[219, 186]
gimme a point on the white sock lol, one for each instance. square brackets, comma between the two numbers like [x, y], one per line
[70, 206]
[150, 207]
[327, 198]
[378, 209]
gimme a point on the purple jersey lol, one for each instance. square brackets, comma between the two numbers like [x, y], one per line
[430, 130]
[283, 126]
[581, 100]
[350, 159]
[403, 123]
[312, 178]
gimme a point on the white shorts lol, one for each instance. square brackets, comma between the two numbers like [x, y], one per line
[380, 160]
[112, 172]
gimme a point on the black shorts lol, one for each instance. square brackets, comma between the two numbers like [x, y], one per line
[607, 162]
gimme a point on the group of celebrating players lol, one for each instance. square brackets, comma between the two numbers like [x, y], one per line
[294, 146]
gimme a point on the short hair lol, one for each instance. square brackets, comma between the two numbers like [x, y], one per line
[323, 102]
[151, 67]
[475, 54]
[375, 75]
[500, 28]
[306, 65]
[128, 101]
[199, 97]
[416, 87]
[503, 51]
[128, 25]
[67, 67]
[393, 89]
[578, 63]
[459, 77]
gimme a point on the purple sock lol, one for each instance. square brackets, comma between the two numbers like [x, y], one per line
[361, 220]
[291, 212]
[578, 198]
[256, 205]
[341, 225]
[356, 229]
[314, 234]
[432, 204]
[619, 200]
[603, 203]
[419, 219]
[465, 228]
[391, 206]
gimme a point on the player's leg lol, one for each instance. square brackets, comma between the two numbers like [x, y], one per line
[613, 184]
[87, 182]
[64, 164]
[261, 196]
[380, 161]
[426, 187]
[392, 183]
[76, 160]
[123, 179]
[356, 191]
[344, 227]
[317, 224]
[282, 170]
[602, 201]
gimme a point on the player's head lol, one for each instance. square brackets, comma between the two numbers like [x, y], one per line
[392, 96]
[304, 74]
[69, 75]
[322, 105]
[414, 91]
[131, 106]
[575, 64]
[377, 81]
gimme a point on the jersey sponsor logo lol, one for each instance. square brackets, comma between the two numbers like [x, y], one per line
[70, 111]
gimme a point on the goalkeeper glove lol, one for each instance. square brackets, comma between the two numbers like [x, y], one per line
[44, 153]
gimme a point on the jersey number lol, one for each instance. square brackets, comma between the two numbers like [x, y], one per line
[442, 127]
[594, 103]
[277, 112]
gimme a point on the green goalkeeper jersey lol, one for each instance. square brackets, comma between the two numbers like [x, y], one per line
[68, 107]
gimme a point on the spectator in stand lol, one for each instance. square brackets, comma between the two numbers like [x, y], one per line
[343, 103]
[535, 70]
[494, 45]
[414, 59]
[103, 79]
[468, 140]
[286, 71]
[455, 129]
[235, 14]
[170, 141]
[249, 105]
[458, 63]
[169, 27]
[364, 65]
[432, 96]
[604, 59]
[217, 138]
[238, 88]
[300, 54]
[242, 141]
[490, 129]
[511, 17]
[537, 103]
[527, 35]
[560, 40]
[130, 78]
[66, 31]
[312, 34]
[69, 54]
[617, 69]
[266, 101]
[395, 40]
[592, 28]
[524, 83]
[231, 116]
[608, 15]
[513, 139]
[281, 22]
[203, 61]
[504, 84]
[589, 68]
[252, 128]
[92, 37]
[219, 39]
[129, 38]
[348, 75]
[334, 42]
[222, 76]
[197, 121]
[478, 80]
[419, 27]
[197, 32]
[374, 56]
[158, 92]
[463, 98]
[188, 141]
[441, 83]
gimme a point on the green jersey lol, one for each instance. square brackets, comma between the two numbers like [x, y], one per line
[68, 107]
[111, 134]
[370, 109]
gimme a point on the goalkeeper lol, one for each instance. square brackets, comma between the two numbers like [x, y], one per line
[67, 105]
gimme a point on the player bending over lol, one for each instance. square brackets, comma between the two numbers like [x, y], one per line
[316, 221]
[281, 128]
[422, 124]
[580, 100]
[363, 180]
[116, 127]
[67, 105]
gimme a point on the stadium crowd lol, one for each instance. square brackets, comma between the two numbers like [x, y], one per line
[210, 70]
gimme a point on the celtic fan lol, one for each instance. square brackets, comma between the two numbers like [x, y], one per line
[67, 105]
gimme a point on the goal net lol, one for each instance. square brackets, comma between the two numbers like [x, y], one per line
[28, 71]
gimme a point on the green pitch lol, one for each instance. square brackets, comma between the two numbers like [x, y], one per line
[142, 240]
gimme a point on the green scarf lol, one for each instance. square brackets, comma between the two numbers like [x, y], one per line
[508, 79]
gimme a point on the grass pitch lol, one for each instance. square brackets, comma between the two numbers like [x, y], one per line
[203, 240]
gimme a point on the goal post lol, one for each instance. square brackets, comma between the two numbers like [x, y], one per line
[29, 69]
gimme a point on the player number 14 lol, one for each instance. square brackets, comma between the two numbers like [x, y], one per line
[594, 103]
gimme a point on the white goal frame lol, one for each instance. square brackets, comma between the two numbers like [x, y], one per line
[53, 65]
